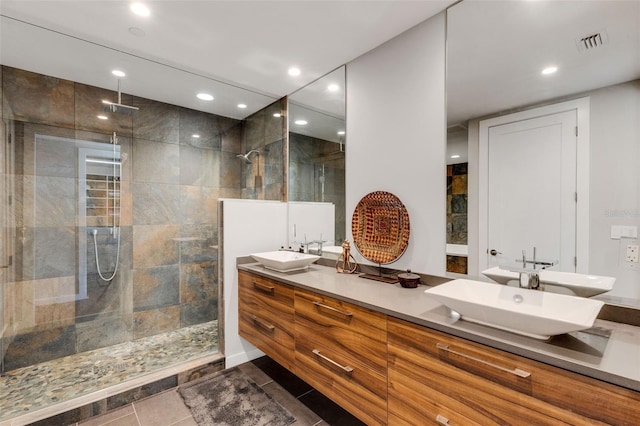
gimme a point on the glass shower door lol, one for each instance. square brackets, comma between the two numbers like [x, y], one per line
[7, 228]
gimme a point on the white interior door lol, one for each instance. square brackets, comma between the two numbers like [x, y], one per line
[531, 190]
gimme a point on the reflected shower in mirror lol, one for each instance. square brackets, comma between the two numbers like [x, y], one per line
[591, 64]
[317, 151]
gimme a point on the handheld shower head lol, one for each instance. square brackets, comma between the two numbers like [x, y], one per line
[245, 157]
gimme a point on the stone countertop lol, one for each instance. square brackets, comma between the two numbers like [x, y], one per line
[609, 351]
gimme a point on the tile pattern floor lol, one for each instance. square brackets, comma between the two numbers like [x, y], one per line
[307, 405]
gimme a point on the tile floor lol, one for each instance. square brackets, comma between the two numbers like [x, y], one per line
[307, 405]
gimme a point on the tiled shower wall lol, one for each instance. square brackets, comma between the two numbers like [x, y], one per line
[457, 213]
[307, 156]
[171, 182]
[265, 131]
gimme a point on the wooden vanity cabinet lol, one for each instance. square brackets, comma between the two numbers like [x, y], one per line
[388, 371]
[265, 311]
[435, 378]
[341, 350]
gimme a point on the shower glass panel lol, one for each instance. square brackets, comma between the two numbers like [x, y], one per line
[95, 171]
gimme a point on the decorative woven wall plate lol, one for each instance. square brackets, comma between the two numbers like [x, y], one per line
[380, 227]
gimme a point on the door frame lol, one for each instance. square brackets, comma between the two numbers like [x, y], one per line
[581, 106]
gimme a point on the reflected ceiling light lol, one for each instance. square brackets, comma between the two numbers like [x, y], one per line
[140, 9]
[118, 73]
[294, 71]
[205, 96]
[277, 115]
[549, 70]
[242, 106]
[301, 122]
[103, 117]
[195, 135]
[341, 132]
[333, 87]
[455, 156]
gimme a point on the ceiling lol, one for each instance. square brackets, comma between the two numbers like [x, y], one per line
[494, 63]
[239, 51]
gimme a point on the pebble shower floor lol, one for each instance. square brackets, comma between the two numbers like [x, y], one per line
[41, 385]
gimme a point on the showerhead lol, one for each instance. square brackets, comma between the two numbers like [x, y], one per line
[245, 157]
[119, 108]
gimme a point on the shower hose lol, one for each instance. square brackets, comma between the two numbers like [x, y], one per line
[95, 245]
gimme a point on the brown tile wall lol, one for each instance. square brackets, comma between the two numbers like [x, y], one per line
[457, 213]
[171, 183]
[306, 157]
[264, 177]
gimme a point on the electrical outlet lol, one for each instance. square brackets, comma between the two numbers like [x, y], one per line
[632, 253]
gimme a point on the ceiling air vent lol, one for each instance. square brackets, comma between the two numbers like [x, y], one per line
[592, 41]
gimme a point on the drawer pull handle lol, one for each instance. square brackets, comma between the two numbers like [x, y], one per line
[442, 419]
[263, 324]
[263, 287]
[516, 371]
[332, 309]
[346, 369]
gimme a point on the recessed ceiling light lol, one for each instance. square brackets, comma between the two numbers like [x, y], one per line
[195, 135]
[333, 87]
[205, 96]
[118, 73]
[549, 70]
[242, 106]
[301, 122]
[103, 117]
[455, 156]
[341, 132]
[294, 71]
[140, 9]
[277, 115]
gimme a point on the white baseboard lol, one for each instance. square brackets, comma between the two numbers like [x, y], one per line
[242, 357]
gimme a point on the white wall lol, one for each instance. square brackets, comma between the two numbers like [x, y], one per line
[311, 220]
[396, 137]
[615, 181]
[248, 226]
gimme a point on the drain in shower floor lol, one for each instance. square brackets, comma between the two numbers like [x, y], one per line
[103, 369]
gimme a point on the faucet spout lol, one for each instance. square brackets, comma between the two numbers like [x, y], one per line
[530, 280]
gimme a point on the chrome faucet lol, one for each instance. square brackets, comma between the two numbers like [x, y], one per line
[319, 242]
[530, 278]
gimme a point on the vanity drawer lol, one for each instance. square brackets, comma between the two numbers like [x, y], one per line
[490, 386]
[350, 383]
[273, 294]
[346, 329]
[265, 311]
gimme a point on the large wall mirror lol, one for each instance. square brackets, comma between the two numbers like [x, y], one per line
[590, 55]
[317, 138]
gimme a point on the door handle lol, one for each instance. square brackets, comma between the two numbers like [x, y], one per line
[493, 252]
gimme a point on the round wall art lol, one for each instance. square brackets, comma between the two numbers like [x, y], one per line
[380, 227]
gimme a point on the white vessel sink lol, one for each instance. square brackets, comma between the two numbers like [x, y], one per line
[531, 313]
[579, 284]
[285, 261]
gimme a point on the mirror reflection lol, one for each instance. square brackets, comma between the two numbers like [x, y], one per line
[513, 61]
[317, 151]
